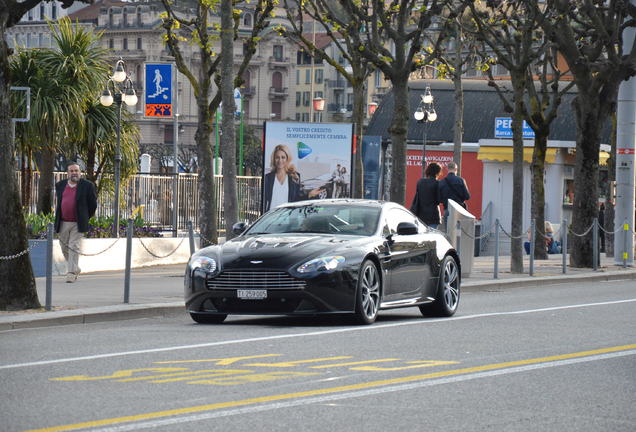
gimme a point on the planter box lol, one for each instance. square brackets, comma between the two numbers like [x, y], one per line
[110, 254]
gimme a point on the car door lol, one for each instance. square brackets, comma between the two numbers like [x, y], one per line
[407, 258]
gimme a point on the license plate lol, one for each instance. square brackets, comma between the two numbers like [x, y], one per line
[251, 294]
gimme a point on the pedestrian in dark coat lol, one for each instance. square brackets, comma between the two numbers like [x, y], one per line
[427, 197]
[453, 187]
[76, 204]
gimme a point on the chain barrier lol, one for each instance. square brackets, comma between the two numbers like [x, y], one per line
[479, 237]
[210, 242]
[19, 254]
[587, 231]
[510, 235]
[164, 256]
[85, 254]
[610, 232]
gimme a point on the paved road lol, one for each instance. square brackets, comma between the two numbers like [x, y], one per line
[547, 357]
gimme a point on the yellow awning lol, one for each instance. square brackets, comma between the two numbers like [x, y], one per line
[504, 154]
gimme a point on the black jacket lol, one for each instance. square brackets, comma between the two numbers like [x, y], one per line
[294, 193]
[86, 203]
[426, 201]
[453, 187]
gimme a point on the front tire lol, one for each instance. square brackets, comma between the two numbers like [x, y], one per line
[208, 318]
[448, 289]
[368, 293]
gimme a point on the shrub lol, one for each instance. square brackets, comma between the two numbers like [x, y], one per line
[99, 227]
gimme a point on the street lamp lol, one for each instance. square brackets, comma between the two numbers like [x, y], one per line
[319, 105]
[122, 91]
[425, 113]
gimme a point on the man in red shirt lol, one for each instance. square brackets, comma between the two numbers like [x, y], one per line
[76, 204]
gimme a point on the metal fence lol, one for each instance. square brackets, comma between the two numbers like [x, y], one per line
[151, 196]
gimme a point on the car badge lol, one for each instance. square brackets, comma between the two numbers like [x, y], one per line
[257, 262]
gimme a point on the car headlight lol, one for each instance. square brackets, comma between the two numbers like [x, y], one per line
[204, 263]
[326, 263]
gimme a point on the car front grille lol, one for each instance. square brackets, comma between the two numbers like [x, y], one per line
[249, 279]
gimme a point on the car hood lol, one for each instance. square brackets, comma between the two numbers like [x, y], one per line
[278, 250]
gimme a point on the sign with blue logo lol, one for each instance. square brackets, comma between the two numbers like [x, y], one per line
[237, 101]
[371, 150]
[158, 91]
[503, 128]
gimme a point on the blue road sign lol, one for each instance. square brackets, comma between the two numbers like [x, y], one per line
[158, 92]
[503, 128]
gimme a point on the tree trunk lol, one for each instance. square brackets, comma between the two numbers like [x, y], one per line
[398, 129]
[608, 225]
[17, 290]
[45, 186]
[205, 180]
[228, 139]
[537, 193]
[358, 116]
[584, 208]
[516, 242]
[458, 132]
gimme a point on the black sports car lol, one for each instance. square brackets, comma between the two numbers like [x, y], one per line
[325, 257]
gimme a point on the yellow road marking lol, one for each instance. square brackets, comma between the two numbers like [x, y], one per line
[182, 376]
[354, 363]
[219, 362]
[297, 362]
[329, 390]
[252, 378]
[218, 373]
[117, 374]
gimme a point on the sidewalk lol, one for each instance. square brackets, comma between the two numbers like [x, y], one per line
[158, 291]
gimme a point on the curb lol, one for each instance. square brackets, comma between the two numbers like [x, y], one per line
[135, 311]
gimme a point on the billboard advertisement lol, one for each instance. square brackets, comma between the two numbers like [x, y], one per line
[306, 161]
[158, 90]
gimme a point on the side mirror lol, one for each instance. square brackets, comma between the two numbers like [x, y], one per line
[406, 228]
[239, 227]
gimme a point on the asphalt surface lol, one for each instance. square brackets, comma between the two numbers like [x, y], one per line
[158, 291]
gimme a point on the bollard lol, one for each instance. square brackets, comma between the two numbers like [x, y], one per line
[191, 236]
[129, 235]
[533, 225]
[625, 243]
[496, 269]
[49, 266]
[564, 246]
[595, 253]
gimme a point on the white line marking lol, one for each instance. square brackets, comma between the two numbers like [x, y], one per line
[359, 393]
[316, 333]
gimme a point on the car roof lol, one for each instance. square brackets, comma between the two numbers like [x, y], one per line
[338, 201]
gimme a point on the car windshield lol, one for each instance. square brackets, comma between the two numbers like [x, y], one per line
[336, 219]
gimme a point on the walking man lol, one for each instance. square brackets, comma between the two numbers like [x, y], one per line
[453, 187]
[76, 203]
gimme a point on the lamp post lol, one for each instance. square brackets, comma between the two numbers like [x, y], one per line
[319, 106]
[425, 113]
[122, 91]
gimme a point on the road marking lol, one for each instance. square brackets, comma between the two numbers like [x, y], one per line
[354, 363]
[220, 362]
[316, 333]
[297, 362]
[342, 392]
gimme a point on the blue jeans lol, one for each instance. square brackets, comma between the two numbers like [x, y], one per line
[434, 226]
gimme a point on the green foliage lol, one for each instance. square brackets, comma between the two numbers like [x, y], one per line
[37, 224]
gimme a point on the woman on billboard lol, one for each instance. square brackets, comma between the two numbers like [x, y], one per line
[282, 183]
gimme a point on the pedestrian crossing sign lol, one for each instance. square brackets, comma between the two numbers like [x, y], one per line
[158, 90]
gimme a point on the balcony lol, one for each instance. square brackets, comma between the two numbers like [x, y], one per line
[337, 84]
[278, 62]
[278, 92]
[248, 91]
